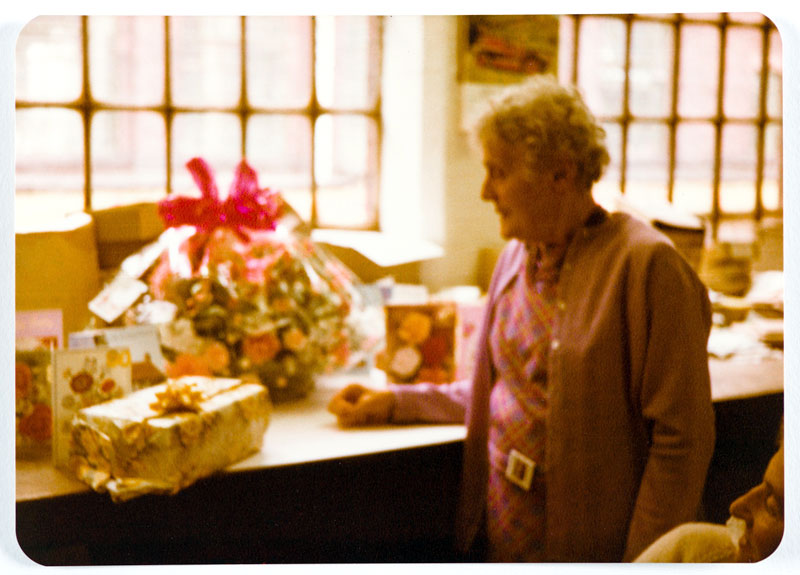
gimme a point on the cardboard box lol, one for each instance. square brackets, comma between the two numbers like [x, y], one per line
[58, 269]
[123, 230]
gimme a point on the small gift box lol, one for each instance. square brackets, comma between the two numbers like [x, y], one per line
[420, 343]
[163, 438]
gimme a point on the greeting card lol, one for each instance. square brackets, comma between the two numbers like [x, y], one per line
[84, 377]
[39, 329]
[34, 415]
[420, 342]
[147, 361]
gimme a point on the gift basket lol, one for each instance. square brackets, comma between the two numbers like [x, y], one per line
[238, 288]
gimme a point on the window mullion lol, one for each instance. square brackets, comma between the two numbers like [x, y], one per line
[673, 114]
[244, 107]
[626, 113]
[719, 122]
[169, 111]
[86, 116]
[314, 110]
[762, 121]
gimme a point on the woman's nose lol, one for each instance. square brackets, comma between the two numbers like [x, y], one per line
[741, 507]
[487, 194]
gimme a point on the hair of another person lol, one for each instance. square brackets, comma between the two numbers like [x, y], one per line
[551, 123]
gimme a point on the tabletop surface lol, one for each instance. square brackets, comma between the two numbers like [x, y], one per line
[299, 432]
[304, 432]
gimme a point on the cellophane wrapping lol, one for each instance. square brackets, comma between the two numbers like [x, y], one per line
[240, 289]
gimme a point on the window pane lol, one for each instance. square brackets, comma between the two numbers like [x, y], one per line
[279, 61]
[742, 72]
[648, 153]
[52, 162]
[206, 60]
[737, 193]
[48, 60]
[771, 192]
[713, 16]
[127, 59]
[775, 83]
[750, 17]
[647, 162]
[614, 146]
[694, 167]
[49, 171]
[128, 158]
[601, 70]
[279, 149]
[651, 69]
[214, 137]
[699, 70]
[344, 160]
[348, 61]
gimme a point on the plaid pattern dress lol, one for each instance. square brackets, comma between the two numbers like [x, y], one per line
[519, 341]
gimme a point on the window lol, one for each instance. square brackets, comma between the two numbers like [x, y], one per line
[110, 109]
[692, 107]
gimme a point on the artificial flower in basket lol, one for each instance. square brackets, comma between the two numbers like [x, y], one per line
[252, 294]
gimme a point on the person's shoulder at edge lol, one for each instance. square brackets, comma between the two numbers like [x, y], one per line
[692, 543]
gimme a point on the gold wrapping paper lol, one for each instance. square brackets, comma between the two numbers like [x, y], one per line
[164, 438]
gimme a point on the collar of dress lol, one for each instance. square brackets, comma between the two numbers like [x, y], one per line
[592, 225]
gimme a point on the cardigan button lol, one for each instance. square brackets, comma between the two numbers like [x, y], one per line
[555, 344]
[561, 304]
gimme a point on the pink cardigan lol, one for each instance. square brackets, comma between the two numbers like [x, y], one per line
[631, 426]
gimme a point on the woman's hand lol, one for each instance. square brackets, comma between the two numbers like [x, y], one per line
[356, 405]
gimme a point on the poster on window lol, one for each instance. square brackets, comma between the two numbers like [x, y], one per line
[504, 49]
[499, 50]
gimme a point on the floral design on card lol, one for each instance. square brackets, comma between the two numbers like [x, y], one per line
[84, 377]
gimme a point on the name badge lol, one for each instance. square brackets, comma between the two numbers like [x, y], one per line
[519, 469]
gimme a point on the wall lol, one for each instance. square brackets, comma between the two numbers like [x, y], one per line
[431, 173]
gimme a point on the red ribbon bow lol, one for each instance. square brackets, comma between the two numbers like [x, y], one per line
[246, 207]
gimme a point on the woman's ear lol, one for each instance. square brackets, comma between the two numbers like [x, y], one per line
[564, 172]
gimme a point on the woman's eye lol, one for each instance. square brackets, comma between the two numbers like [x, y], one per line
[774, 507]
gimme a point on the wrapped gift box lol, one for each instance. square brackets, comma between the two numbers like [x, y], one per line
[164, 438]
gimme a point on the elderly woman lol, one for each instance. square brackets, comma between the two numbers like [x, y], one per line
[590, 425]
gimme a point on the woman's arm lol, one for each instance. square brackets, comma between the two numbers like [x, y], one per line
[675, 400]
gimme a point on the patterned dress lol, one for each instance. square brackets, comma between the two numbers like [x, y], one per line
[520, 340]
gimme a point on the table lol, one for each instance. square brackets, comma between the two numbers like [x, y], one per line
[316, 493]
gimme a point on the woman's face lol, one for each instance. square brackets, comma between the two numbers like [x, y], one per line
[530, 205]
[761, 508]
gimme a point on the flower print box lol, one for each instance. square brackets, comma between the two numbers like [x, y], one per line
[421, 342]
[165, 437]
